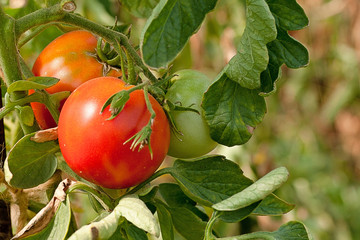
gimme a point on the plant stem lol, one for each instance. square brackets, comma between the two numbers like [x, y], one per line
[209, 226]
[101, 197]
[35, 32]
[43, 16]
[154, 176]
[5, 222]
[57, 14]
[9, 59]
[110, 36]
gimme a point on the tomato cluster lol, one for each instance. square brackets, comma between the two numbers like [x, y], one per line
[72, 59]
[98, 147]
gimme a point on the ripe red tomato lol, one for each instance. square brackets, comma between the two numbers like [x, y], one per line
[71, 58]
[94, 147]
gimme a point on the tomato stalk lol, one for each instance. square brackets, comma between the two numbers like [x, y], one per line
[57, 14]
[43, 16]
[122, 62]
[22, 41]
[131, 69]
[147, 181]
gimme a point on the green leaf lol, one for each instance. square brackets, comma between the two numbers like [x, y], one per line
[284, 49]
[203, 180]
[136, 212]
[292, 230]
[140, 8]
[255, 192]
[26, 115]
[288, 50]
[187, 223]
[288, 14]
[252, 56]
[232, 111]
[131, 208]
[237, 215]
[133, 232]
[32, 83]
[30, 163]
[269, 77]
[165, 220]
[147, 193]
[169, 28]
[273, 206]
[175, 197]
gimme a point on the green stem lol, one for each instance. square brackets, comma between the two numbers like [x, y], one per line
[51, 101]
[32, 34]
[9, 60]
[25, 69]
[41, 96]
[209, 226]
[10, 105]
[154, 176]
[57, 14]
[122, 63]
[103, 199]
[110, 36]
[131, 69]
[43, 16]
[250, 236]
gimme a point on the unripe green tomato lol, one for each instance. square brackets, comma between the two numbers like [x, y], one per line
[187, 90]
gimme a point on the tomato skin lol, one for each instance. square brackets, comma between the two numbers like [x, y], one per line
[93, 146]
[188, 88]
[70, 57]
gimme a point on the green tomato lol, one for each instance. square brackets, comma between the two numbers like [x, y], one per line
[187, 90]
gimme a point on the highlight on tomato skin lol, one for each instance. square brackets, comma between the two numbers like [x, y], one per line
[93, 146]
[71, 58]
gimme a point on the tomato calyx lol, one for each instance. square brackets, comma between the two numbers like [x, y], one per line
[142, 138]
[106, 53]
[117, 102]
[177, 106]
[171, 107]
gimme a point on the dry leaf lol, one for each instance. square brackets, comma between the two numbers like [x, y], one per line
[42, 218]
[45, 135]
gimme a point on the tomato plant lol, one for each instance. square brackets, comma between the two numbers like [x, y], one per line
[191, 138]
[72, 59]
[94, 146]
[115, 133]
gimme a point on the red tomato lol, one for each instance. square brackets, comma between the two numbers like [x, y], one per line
[94, 147]
[71, 58]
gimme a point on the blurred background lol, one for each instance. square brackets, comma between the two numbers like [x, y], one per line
[313, 122]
